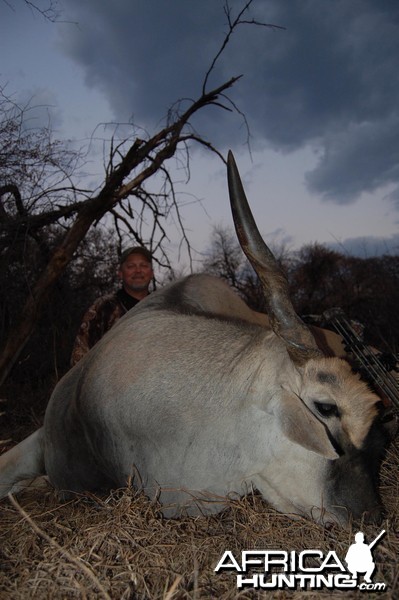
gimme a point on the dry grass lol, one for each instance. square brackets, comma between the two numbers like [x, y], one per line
[120, 547]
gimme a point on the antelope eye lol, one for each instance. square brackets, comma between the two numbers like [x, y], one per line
[327, 410]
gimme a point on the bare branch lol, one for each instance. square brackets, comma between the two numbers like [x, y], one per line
[14, 191]
[233, 24]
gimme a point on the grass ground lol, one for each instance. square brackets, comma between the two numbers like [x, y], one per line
[120, 547]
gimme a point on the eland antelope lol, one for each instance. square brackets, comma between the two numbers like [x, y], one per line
[196, 398]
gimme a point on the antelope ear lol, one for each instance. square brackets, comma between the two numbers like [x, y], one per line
[300, 426]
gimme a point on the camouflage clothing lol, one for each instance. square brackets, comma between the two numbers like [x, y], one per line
[99, 318]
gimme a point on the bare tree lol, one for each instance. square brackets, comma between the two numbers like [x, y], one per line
[131, 163]
[225, 257]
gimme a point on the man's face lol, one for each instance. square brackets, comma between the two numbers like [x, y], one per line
[136, 273]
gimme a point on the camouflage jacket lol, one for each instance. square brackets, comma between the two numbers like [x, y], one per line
[98, 319]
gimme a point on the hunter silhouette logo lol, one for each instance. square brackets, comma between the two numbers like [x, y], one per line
[359, 557]
[309, 569]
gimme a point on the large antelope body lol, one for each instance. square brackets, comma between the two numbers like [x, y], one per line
[192, 397]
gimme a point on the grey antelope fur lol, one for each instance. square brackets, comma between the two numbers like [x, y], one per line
[195, 398]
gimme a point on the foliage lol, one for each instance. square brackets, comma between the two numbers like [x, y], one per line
[320, 278]
[92, 273]
[365, 288]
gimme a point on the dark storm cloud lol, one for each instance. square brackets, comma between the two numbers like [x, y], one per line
[331, 79]
[144, 54]
[364, 156]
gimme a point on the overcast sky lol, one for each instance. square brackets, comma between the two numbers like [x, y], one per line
[321, 98]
